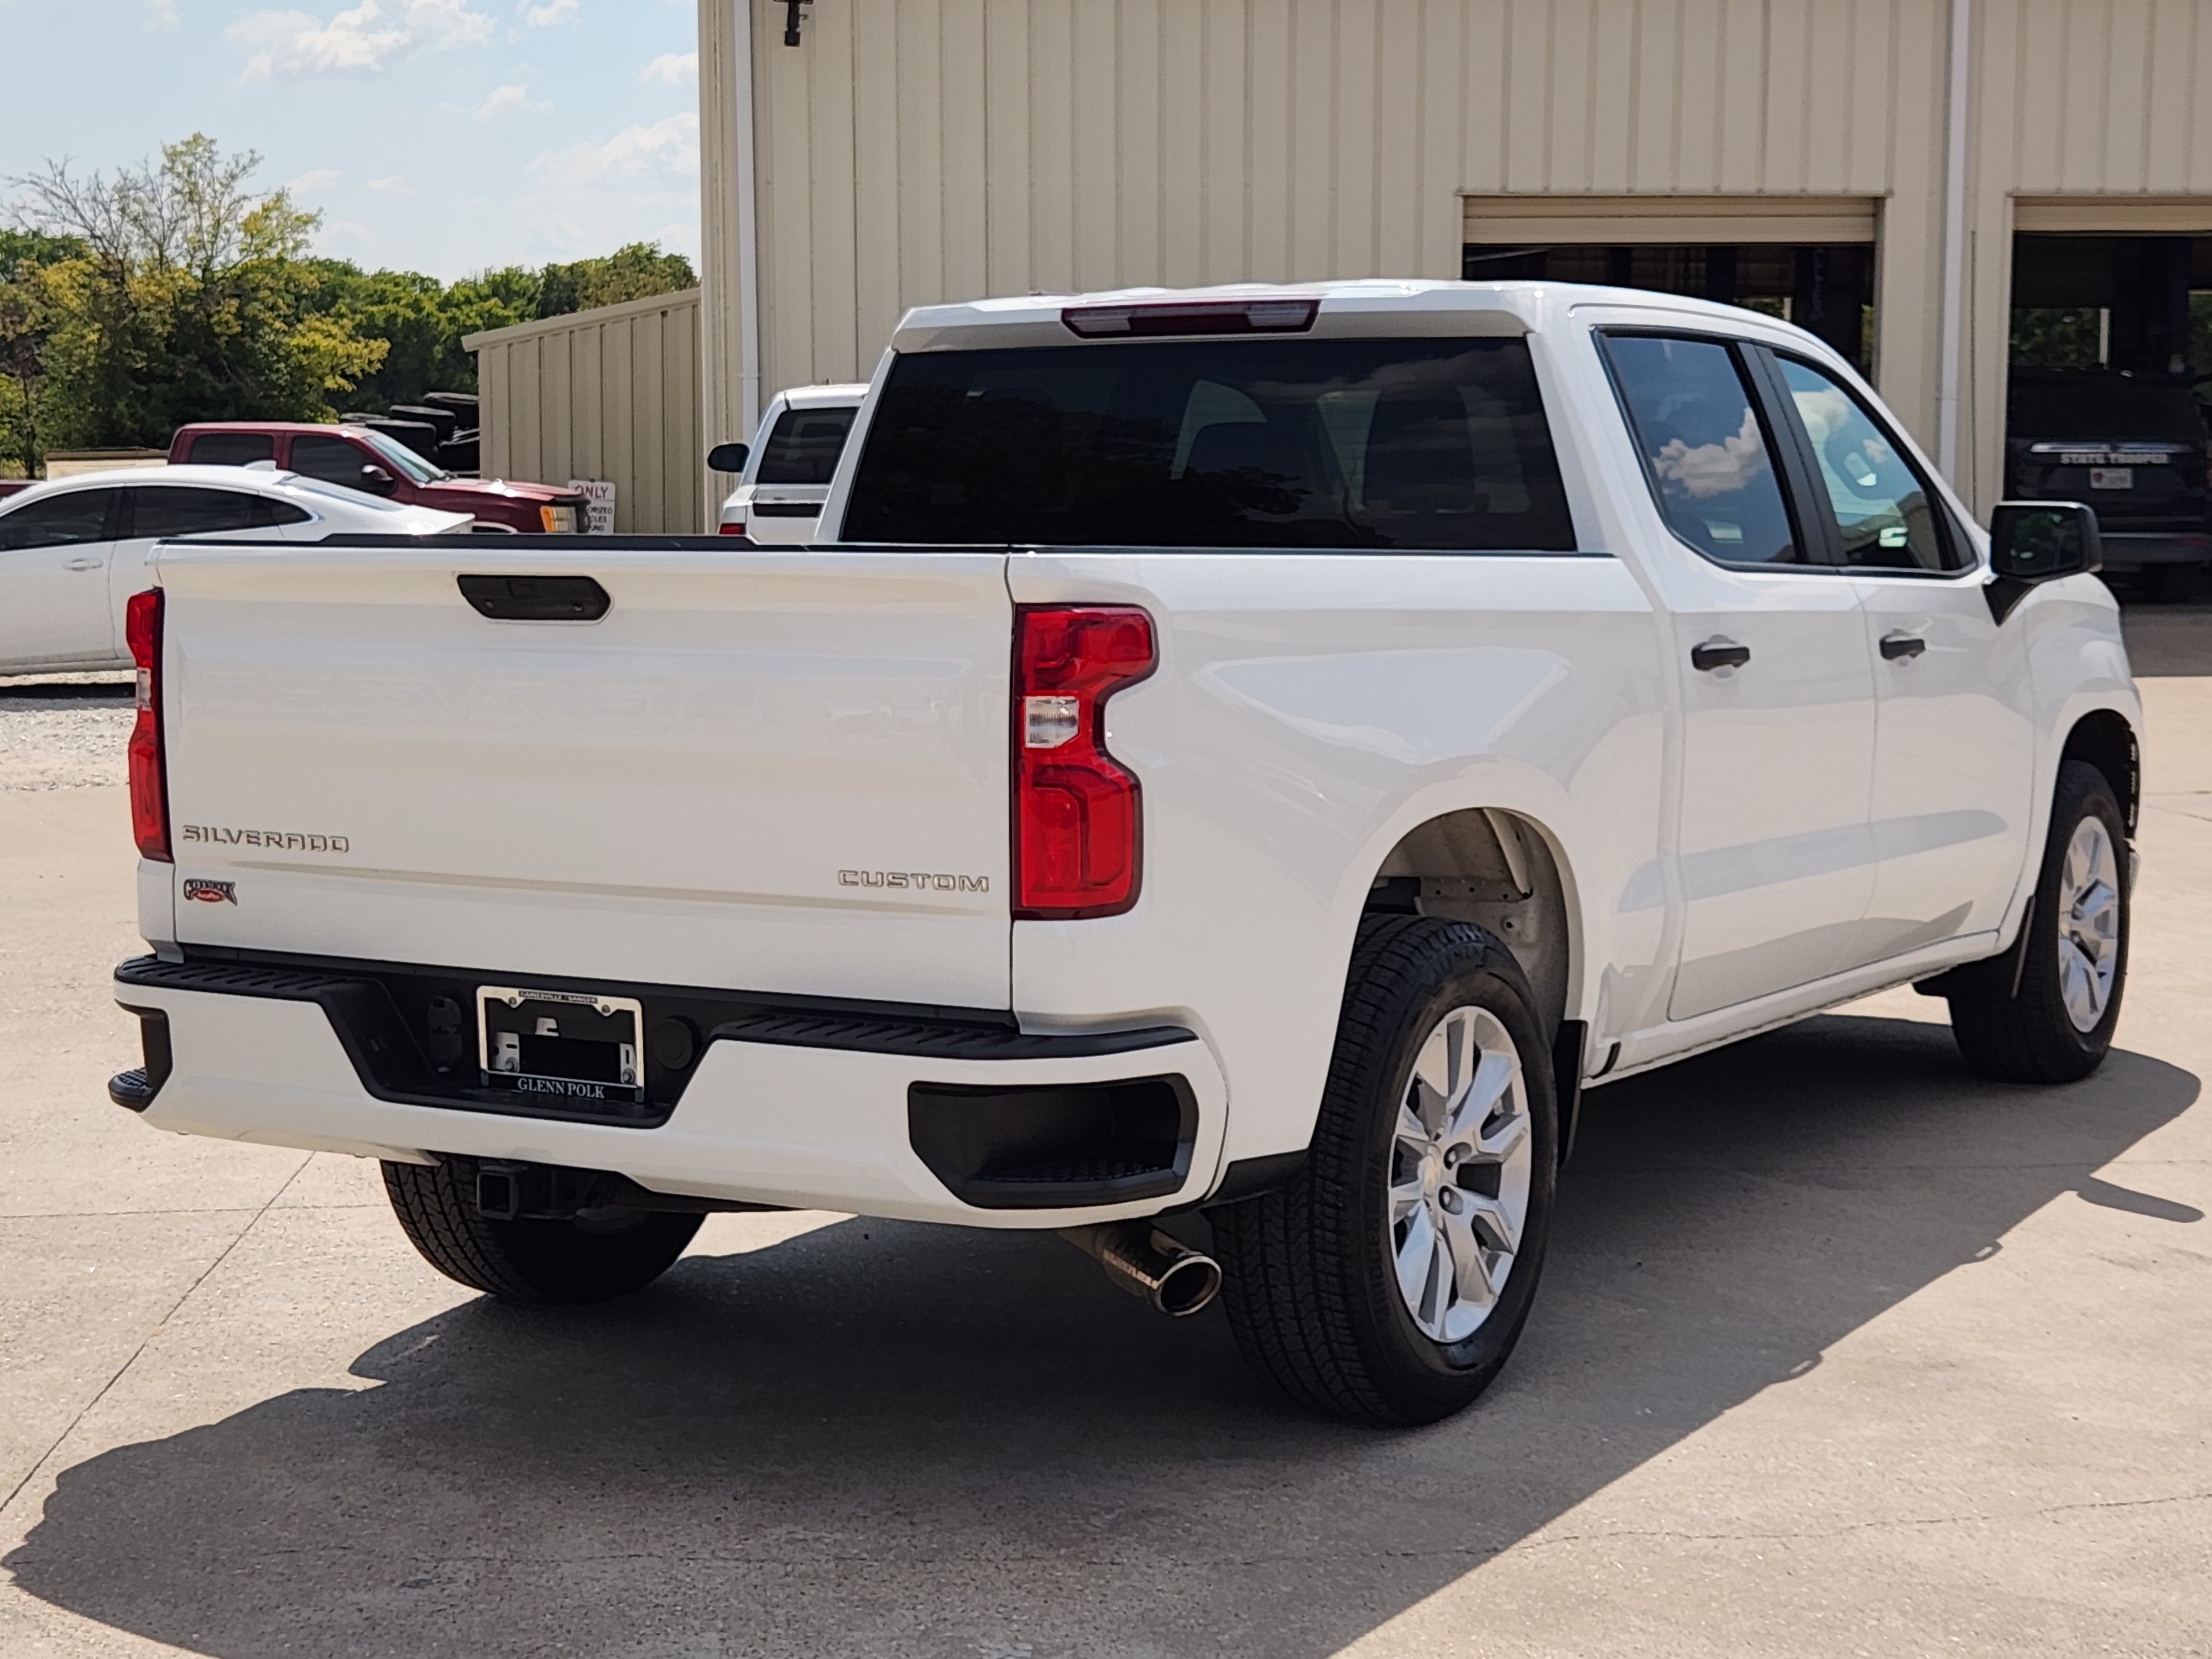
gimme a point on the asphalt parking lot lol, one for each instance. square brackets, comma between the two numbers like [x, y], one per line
[1840, 1351]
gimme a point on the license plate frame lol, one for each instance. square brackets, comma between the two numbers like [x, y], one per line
[2112, 478]
[595, 1055]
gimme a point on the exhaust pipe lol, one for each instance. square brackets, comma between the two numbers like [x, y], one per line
[1145, 1261]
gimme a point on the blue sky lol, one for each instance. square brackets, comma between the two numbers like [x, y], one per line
[443, 136]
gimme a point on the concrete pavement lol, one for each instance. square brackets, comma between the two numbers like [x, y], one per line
[1839, 1350]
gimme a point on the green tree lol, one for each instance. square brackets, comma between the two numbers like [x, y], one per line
[191, 299]
[25, 324]
[639, 271]
[421, 323]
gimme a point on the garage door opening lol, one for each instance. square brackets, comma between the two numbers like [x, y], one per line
[1827, 289]
[2110, 361]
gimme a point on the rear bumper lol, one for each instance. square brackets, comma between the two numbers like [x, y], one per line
[773, 1121]
[2136, 550]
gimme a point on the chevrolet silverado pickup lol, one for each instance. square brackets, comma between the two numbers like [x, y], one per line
[1235, 768]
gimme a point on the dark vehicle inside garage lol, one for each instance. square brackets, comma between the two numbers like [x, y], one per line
[2111, 355]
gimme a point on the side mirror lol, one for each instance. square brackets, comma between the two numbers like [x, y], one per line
[376, 481]
[2032, 542]
[727, 458]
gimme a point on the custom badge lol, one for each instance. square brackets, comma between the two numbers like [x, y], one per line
[211, 892]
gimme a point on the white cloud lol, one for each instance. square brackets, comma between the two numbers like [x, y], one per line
[547, 16]
[313, 180]
[395, 185]
[162, 15]
[673, 67]
[664, 148]
[350, 230]
[363, 40]
[506, 97]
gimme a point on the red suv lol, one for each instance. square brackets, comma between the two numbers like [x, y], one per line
[382, 465]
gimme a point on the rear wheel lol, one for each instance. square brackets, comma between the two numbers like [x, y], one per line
[602, 1254]
[1390, 1281]
[2072, 965]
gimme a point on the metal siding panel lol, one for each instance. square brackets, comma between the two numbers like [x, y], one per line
[960, 84]
[1908, 279]
[1572, 109]
[2200, 127]
[1097, 71]
[1313, 140]
[1137, 209]
[1482, 97]
[1269, 126]
[1656, 95]
[618, 388]
[1228, 205]
[650, 391]
[786, 211]
[524, 457]
[919, 25]
[1785, 152]
[1868, 92]
[1049, 87]
[2038, 128]
[2126, 82]
[1527, 95]
[1442, 136]
[1398, 175]
[1182, 144]
[1353, 243]
[1611, 84]
[879, 291]
[1745, 86]
[592, 441]
[497, 433]
[1009, 257]
[2169, 109]
[1700, 90]
[833, 174]
[672, 341]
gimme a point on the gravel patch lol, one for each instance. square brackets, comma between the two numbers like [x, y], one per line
[64, 732]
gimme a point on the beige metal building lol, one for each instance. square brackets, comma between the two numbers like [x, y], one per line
[1870, 167]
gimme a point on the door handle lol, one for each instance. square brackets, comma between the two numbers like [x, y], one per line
[1899, 646]
[85, 564]
[1718, 652]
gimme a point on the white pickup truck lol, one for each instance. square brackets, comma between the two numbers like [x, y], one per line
[1259, 752]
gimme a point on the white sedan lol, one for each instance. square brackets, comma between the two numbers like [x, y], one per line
[73, 551]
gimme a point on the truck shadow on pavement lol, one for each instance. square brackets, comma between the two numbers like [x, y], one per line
[884, 1439]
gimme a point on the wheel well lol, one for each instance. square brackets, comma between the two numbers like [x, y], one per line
[1495, 869]
[2105, 740]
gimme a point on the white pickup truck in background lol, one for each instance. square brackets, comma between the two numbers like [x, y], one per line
[1261, 752]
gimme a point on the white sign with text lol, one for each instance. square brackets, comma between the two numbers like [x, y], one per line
[598, 495]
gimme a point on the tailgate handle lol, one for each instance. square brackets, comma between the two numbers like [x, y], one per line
[536, 598]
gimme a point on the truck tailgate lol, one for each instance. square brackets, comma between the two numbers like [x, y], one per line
[766, 771]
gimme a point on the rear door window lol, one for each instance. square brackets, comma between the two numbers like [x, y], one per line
[1708, 453]
[162, 512]
[805, 446]
[64, 520]
[1418, 444]
[232, 448]
[332, 460]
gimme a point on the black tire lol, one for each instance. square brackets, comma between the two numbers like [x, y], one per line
[1311, 1285]
[2030, 1038]
[610, 1252]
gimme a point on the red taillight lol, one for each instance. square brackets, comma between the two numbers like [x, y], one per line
[149, 786]
[1079, 828]
[733, 526]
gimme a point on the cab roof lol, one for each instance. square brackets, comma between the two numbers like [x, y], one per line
[1413, 306]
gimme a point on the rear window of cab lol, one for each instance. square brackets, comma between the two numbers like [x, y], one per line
[1437, 445]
